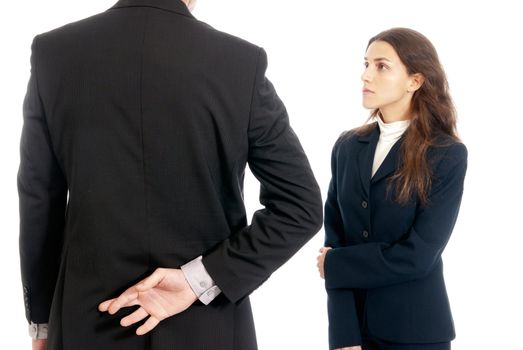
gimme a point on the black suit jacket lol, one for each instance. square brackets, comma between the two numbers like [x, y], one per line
[385, 272]
[138, 125]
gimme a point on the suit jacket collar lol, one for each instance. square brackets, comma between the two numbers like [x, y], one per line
[389, 164]
[176, 6]
[366, 158]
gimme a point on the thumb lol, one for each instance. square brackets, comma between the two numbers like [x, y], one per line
[152, 281]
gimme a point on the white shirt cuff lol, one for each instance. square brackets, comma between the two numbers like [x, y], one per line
[200, 281]
[38, 330]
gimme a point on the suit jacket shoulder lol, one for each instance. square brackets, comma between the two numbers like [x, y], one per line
[446, 154]
[348, 137]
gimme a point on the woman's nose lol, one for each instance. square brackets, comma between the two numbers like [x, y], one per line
[366, 76]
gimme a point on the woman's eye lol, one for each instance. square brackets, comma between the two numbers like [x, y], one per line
[382, 66]
[366, 64]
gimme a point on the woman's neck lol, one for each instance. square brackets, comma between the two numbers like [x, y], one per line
[394, 118]
[397, 112]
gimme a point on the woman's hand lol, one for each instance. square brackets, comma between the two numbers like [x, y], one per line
[39, 344]
[161, 295]
[320, 264]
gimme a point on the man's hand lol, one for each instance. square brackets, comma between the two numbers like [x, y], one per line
[39, 344]
[320, 264]
[163, 294]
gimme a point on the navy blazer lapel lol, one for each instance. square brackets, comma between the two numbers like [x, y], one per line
[366, 156]
[390, 162]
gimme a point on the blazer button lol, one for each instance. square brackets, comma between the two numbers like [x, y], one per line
[365, 234]
[364, 204]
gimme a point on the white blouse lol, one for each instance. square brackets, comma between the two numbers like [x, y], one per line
[389, 134]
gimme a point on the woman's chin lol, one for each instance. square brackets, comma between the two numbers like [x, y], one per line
[369, 105]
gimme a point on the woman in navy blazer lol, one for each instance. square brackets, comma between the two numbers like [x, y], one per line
[392, 204]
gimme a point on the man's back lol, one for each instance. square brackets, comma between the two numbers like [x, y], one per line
[148, 118]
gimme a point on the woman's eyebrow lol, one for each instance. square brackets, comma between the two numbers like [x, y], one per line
[379, 59]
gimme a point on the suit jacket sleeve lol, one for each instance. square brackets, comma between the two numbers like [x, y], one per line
[292, 211]
[334, 233]
[42, 191]
[371, 265]
[344, 329]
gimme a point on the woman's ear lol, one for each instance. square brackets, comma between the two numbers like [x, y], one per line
[416, 80]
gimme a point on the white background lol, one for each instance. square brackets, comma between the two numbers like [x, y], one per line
[315, 51]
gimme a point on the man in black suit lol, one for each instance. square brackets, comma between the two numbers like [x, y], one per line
[138, 125]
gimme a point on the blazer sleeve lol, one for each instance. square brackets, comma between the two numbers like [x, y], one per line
[371, 265]
[292, 211]
[344, 329]
[334, 232]
[42, 191]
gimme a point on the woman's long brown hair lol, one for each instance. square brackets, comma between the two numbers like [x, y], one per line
[432, 110]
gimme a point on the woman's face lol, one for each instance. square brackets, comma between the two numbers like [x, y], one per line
[386, 84]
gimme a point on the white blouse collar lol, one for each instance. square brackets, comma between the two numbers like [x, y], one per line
[392, 131]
